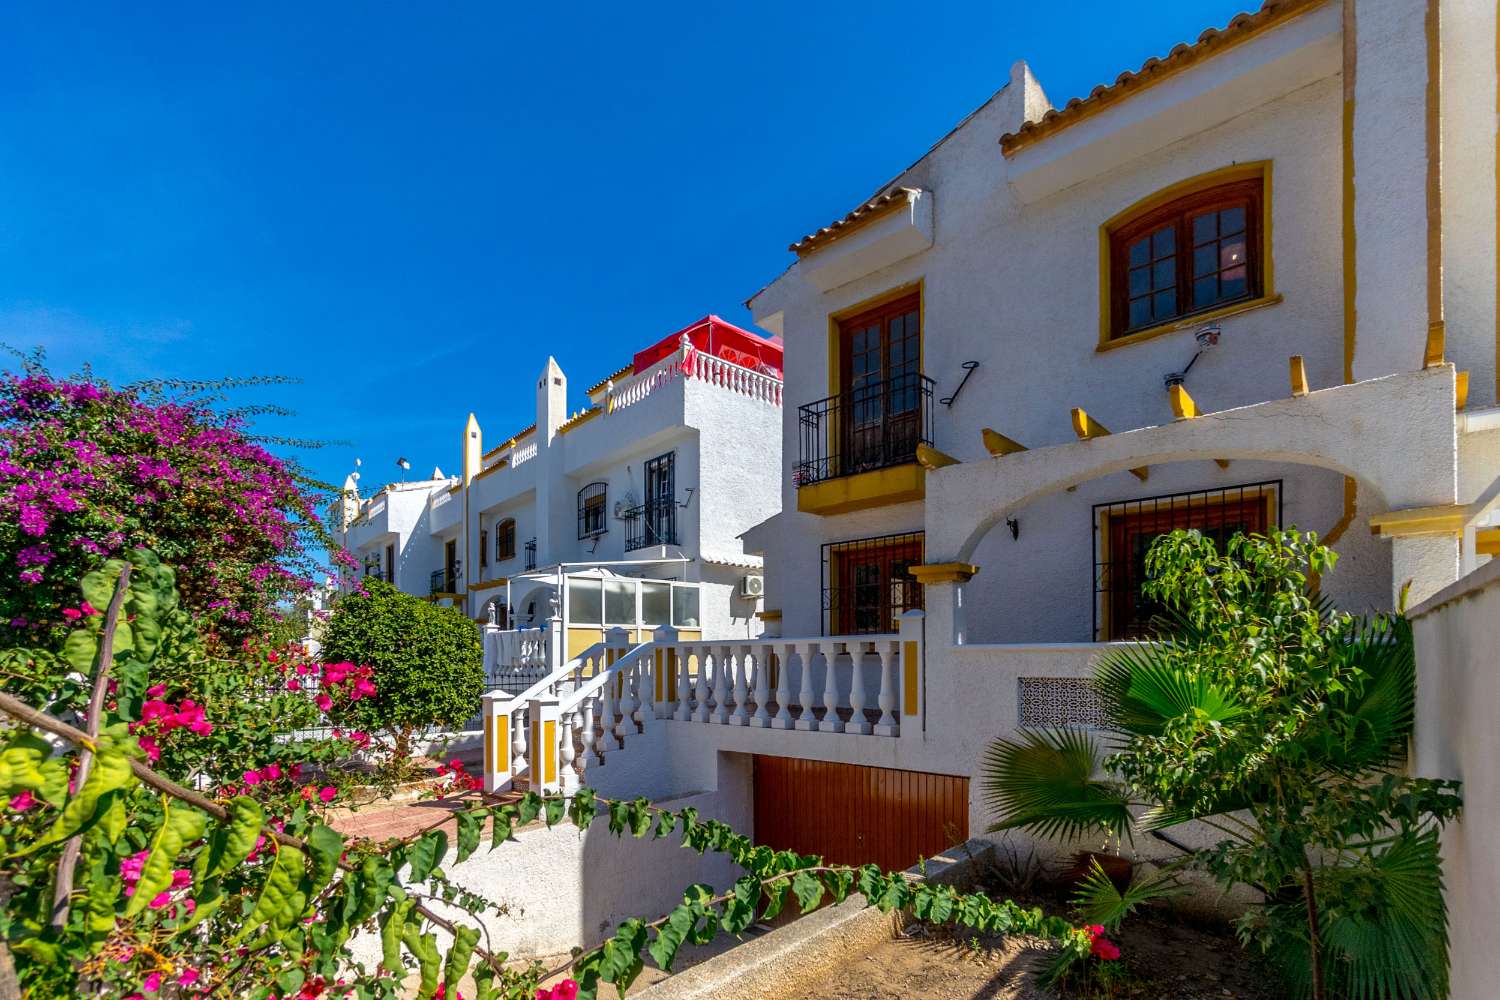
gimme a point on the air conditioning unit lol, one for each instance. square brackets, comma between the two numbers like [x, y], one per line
[753, 585]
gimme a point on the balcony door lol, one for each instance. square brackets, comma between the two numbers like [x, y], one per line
[880, 371]
[661, 500]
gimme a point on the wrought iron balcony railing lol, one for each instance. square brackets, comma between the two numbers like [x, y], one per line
[871, 426]
[531, 554]
[652, 523]
[443, 582]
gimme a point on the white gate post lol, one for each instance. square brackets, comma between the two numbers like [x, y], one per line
[497, 743]
[913, 661]
[556, 646]
[546, 728]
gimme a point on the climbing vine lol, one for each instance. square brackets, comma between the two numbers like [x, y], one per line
[128, 873]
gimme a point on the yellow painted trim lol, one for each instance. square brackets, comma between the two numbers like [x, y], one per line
[1442, 519]
[488, 584]
[932, 459]
[1261, 169]
[998, 444]
[1087, 427]
[1432, 354]
[1183, 405]
[504, 463]
[908, 682]
[549, 734]
[579, 419]
[874, 302]
[1222, 463]
[455, 488]
[1351, 316]
[1461, 387]
[879, 488]
[1432, 25]
[489, 740]
[502, 745]
[604, 382]
[951, 572]
[1297, 370]
[1351, 501]
[1487, 541]
[769, 615]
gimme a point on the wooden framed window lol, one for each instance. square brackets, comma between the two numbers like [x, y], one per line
[1182, 255]
[484, 548]
[1127, 528]
[867, 583]
[591, 510]
[505, 540]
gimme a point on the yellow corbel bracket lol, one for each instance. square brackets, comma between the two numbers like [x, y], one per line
[1183, 405]
[1222, 463]
[953, 572]
[930, 458]
[998, 444]
[1433, 355]
[1299, 376]
[1087, 428]
[1461, 389]
[1443, 520]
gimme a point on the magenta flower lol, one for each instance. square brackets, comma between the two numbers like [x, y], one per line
[22, 802]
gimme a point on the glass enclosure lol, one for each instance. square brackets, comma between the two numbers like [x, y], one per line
[630, 603]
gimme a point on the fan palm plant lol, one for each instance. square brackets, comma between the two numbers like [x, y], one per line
[1281, 725]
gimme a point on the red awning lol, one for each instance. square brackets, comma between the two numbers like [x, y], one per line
[720, 340]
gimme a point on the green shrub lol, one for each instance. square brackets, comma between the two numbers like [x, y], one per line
[428, 661]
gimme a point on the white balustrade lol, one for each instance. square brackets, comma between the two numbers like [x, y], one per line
[700, 690]
[831, 723]
[762, 718]
[567, 777]
[721, 686]
[887, 698]
[783, 718]
[857, 722]
[806, 721]
[739, 668]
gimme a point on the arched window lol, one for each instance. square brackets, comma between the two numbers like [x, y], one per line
[505, 540]
[1189, 251]
[591, 510]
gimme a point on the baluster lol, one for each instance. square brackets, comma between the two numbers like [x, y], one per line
[762, 717]
[831, 722]
[518, 743]
[700, 691]
[783, 718]
[645, 704]
[567, 778]
[740, 673]
[626, 707]
[805, 719]
[723, 663]
[590, 756]
[887, 724]
[857, 722]
[684, 710]
[608, 739]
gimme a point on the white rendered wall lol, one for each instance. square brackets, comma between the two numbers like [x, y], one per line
[1458, 701]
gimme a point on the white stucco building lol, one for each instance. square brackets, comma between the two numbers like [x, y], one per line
[1251, 284]
[635, 496]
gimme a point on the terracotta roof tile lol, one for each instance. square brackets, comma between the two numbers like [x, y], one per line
[1154, 70]
[869, 211]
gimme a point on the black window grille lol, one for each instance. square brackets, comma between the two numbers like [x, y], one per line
[867, 583]
[484, 548]
[531, 554]
[875, 425]
[591, 510]
[1125, 529]
[655, 521]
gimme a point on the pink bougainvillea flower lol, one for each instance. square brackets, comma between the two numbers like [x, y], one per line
[181, 878]
[156, 690]
[252, 777]
[161, 899]
[88, 608]
[323, 702]
[23, 802]
[565, 990]
[187, 977]
[152, 982]
[1104, 948]
[153, 752]
[72, 614]
[271, 772]
[327, 793]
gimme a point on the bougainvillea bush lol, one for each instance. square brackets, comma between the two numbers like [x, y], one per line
[88, 471]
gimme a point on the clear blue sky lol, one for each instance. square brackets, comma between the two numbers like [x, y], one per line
[409, 206]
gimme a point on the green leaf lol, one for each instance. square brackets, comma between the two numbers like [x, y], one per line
[621, 961]
[528, 808]
[775, 899]
[897, 894]
[180, 826]
[98, 585]
[583, 807]
[739, 909]
[279, 895]
[208, 897]
[103, 892]
[552, 812]
[110, 770]
[457, 963]
[79, 650]
[640, 818]
[21, 764]
[666, 822]
[838, 883]
[426, 854]
[671, 934]
[502, 829]
[112, 816]
[470, 824]
[1099, 902]
[325, 846]
[392, 929]
[808, 889]
[425, 950]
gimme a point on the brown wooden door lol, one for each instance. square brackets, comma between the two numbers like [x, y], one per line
[852, 814]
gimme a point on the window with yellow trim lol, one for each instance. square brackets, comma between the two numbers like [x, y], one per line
[1194, 254]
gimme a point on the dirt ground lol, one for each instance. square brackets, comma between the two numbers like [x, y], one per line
[1164, 961]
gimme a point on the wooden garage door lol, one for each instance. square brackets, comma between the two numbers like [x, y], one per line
[855, 815]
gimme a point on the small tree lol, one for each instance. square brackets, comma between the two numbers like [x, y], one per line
[428, 661]
[1281, 725]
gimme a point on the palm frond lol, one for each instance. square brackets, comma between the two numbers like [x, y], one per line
[1045, 781]
[1100, 902]
[1384, 926]
[1143, 690]
[1384, 706]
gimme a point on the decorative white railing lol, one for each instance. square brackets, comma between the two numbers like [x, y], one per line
[859, 685]
[513, 651]
[690, 362]
[523, 452]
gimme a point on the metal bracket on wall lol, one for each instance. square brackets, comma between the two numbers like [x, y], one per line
[968, 367]
[689, 491]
